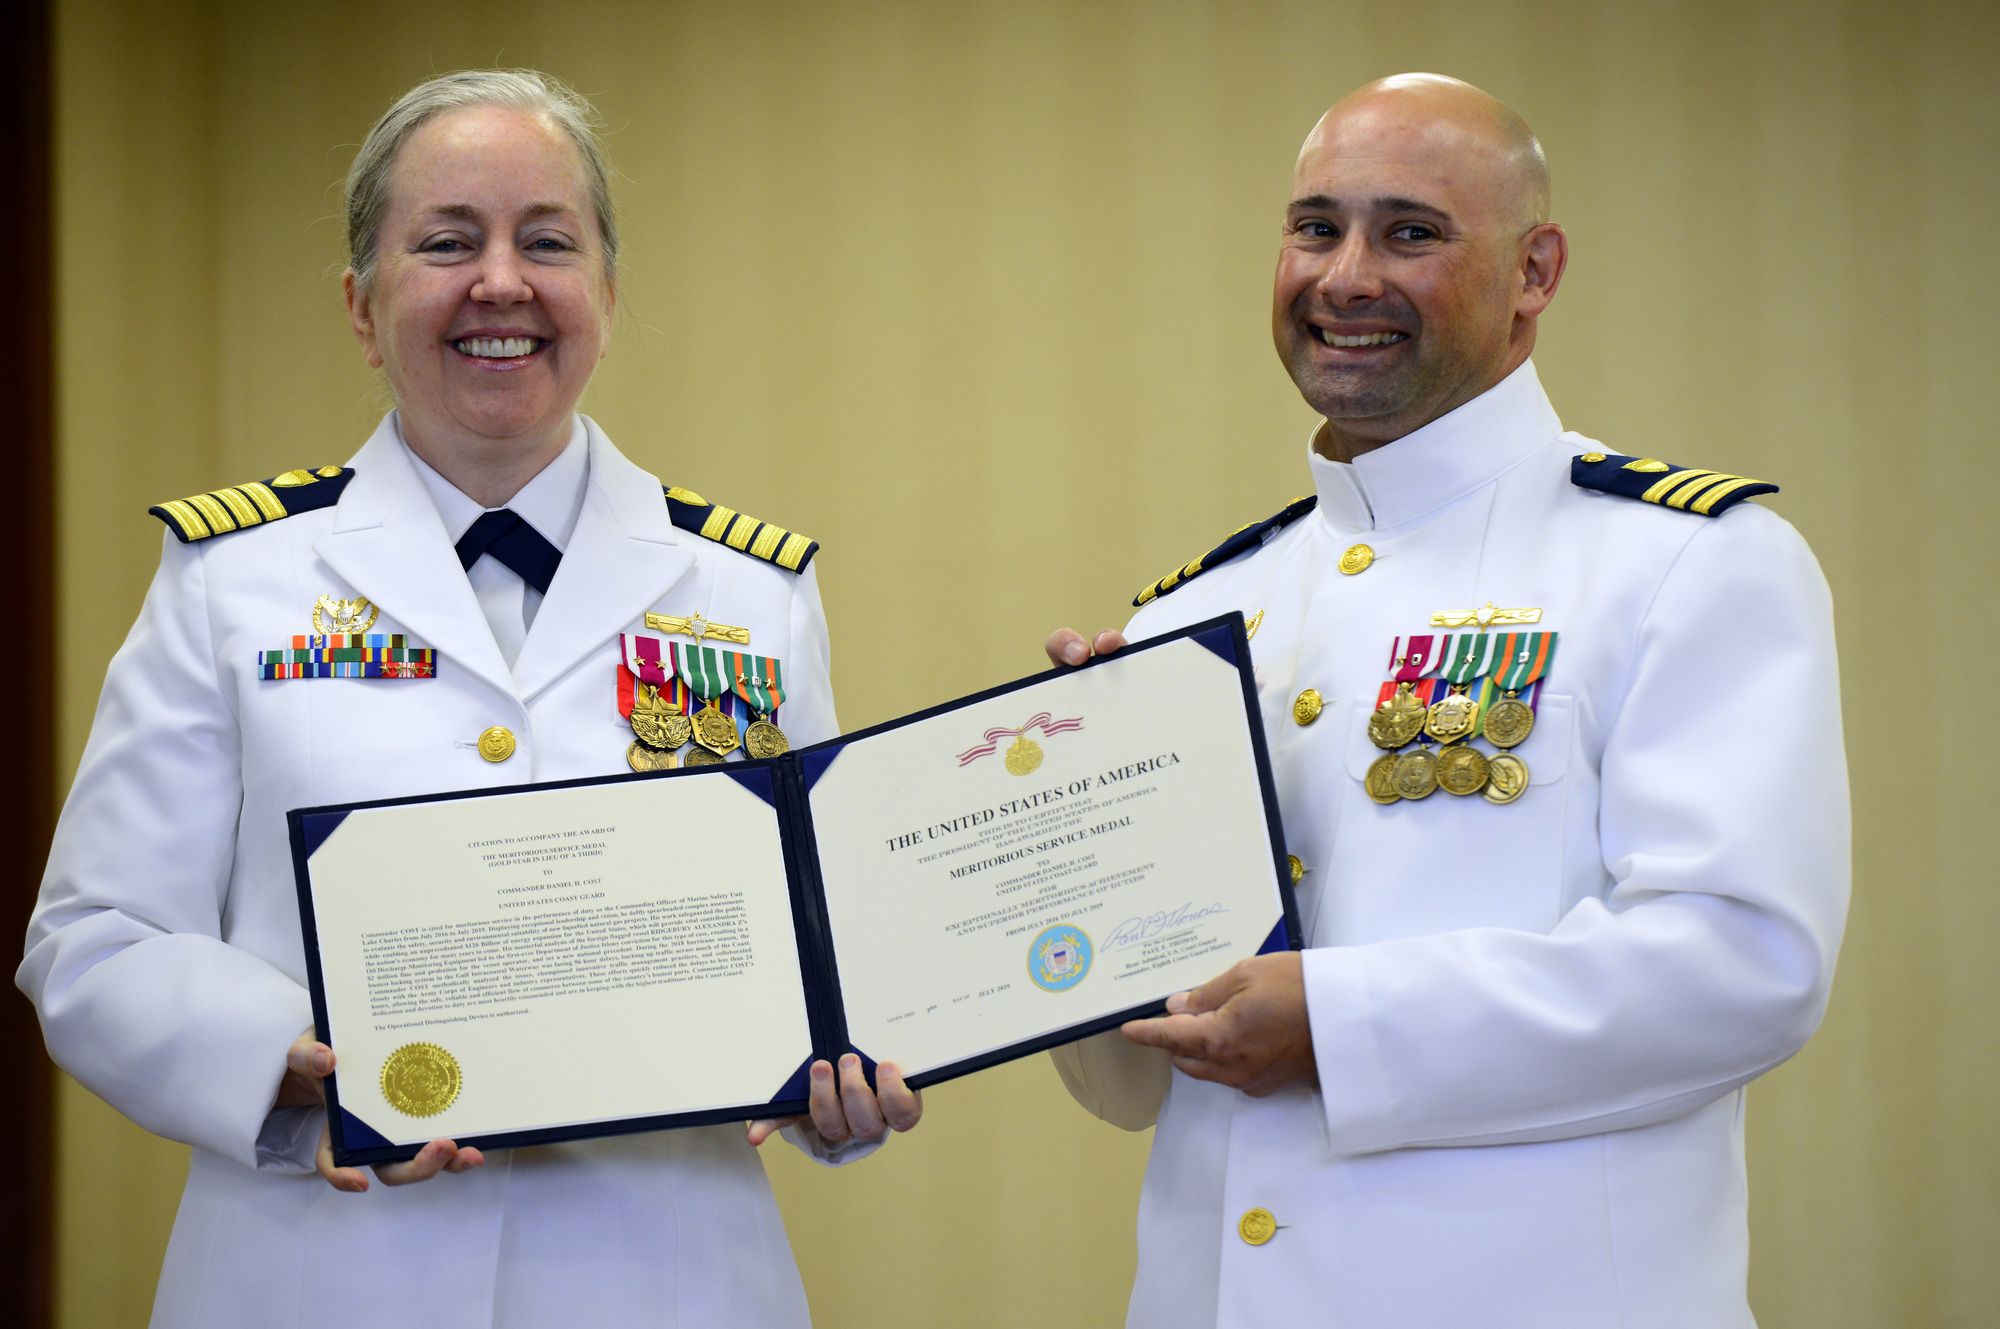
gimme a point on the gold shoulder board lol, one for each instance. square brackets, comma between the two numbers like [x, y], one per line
[739, 530]
[1708, 493]
[220, 511]
[1240, 539]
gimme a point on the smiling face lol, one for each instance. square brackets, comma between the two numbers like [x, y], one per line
[1414, 260]
[490, 306]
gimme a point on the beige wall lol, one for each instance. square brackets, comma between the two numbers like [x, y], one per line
[976, 294]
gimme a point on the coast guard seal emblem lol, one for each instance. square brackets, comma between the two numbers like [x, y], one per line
[1059, 958]
[420, 1079]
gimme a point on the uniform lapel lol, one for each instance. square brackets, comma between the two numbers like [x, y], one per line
[390, 545]
[623, 556]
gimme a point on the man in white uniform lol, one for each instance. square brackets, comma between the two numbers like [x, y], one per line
[1556, 733]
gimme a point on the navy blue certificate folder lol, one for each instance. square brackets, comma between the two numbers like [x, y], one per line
[970, 884]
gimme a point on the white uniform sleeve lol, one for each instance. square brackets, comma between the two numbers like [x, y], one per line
[140, 997]
[1723, 821]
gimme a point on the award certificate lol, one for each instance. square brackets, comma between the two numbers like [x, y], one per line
[948, 891]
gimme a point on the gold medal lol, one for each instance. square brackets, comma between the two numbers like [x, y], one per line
[659, 724]
[1397, 720]
[703, 757]
[1452, 717]
[1461, 770]
[1415, 775]
[642, 759]
[1507, 778]
[764, 740]
[1509, 721]
[420, 1079]
[1381, 781]
[716, 731]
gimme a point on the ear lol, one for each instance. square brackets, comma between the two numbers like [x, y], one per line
[361, 317]
[1544, 255]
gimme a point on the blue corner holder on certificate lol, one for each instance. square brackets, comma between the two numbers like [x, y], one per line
[967, 885]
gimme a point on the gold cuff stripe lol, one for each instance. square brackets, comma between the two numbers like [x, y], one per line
[213, 512]
[239, 507]
[793, 552]
[740, 531]
[718, 521]
[266, 501]
[190, 522]
[1709, 500]
[767, 541]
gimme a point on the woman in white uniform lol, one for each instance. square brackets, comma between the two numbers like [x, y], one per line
[509, 544]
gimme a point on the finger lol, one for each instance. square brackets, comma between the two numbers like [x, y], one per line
[764, 1128]
[340, 1178]
[308, 1056]
[1066, 646]
[1108, 641]
[1181, 1035]
[468, 1158]
[430, 1161]
[1212, 995]
[824, 1101]
[864, 1114]
[902, 1106]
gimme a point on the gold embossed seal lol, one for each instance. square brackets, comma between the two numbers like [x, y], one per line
[420, 1079]
[1024, 756]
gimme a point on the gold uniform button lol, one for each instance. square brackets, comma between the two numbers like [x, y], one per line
[1257, 1226]
[1307, 708]
[1298, 868]
[1356, 559]
[496, 744]
[1592, 458]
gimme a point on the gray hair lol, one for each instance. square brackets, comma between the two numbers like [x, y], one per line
[524, 90]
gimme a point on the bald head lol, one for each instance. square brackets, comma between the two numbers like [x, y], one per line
[1417, 255]
[1447, 124]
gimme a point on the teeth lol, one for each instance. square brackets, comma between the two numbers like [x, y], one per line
[497, 348]
[1368, 339]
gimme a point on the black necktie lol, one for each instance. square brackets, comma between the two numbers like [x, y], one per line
[516, 544]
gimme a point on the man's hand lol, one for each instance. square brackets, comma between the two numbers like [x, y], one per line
[307, 1064]
[849, 1109]
[1066, 646]
[1246, 1029]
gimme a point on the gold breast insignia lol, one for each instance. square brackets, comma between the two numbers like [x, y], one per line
[331, 615]
[1484, 617]
[420, 1079]
[697, 627]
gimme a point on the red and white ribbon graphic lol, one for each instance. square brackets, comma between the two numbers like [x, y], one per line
[995, 737]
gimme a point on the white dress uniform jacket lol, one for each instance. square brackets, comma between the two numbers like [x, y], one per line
[165, 955]
[1533, 1022]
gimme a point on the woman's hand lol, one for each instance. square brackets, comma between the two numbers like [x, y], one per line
[1066, 646]
[307, 1065]
[849, 1109]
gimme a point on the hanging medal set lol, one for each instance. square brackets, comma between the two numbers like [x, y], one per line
[718, 701]
[1446, 692]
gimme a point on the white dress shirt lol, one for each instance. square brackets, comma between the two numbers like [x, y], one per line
[551, 503]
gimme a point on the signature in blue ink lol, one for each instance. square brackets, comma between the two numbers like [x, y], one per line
[1148, 926]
